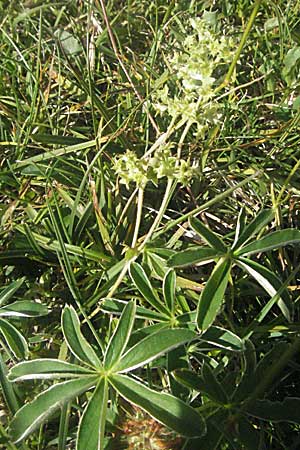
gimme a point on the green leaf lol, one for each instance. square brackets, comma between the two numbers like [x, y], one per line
[7, 292]
[212, 295]
[143, 284]
[193, 255]
[221, 338]
[211, 238]
[169, 287]
[272, 241]
[120, 338]
[286, 411]
[46, 369]
[33, 414]
[153, 346]
[240, 226]
[115, 306]
[257, 224]
[165, 408]
[270, 283]
[14, 339]
[92, 424]
[75, 339]
[209, 378]
[24, 308]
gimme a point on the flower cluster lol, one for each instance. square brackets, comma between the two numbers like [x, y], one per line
[197, 67]
[132, 169]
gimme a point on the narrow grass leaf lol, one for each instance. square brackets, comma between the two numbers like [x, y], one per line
[92, 424]
[169, 287]
[211, 238]
[212, 295]
[75, 339]
[153, 346]
[257, 224]
[193, 255]
[143, 284]
[46, 369]
[14, 339]
[165, 408]
[120, 338]
[33, 414]
[272, 241]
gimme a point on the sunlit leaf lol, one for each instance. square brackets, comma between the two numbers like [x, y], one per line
[212, 296]
[33, 414]
[75, 339]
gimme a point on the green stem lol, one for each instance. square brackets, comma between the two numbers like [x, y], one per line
[240, 47]
[138, 216]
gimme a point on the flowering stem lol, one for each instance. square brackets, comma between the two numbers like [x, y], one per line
[138, 216]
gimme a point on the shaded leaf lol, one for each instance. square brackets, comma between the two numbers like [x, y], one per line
[193, 255]
[143, 284]
[24, 308]
[221, 338]
[165, 408]
[8, 291]
[257, 224]
[286, 411]
[211, 238]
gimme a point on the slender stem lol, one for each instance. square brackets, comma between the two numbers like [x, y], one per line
[138, 216]
[170, 187]
[241, 46]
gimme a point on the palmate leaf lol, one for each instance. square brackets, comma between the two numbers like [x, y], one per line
[24, 308]
[165, 408]
[143, 284]
[193, 255]
[8, 291]
[47, 369]
[272, 241]
[212, 295]
[269, 282]
[169, 286]
[153, 346]
[14, 339]
[75, 339]
[286, 411]
[33, 414]
[211, 238]
[257, 224]
[121, 336]
[221, 338]
[92, 424]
